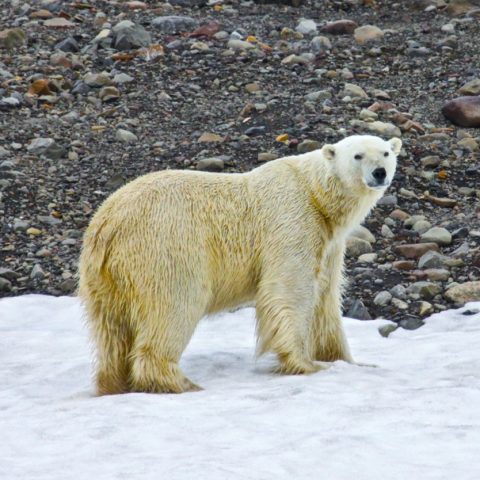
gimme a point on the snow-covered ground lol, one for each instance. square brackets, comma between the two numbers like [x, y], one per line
[415, 416]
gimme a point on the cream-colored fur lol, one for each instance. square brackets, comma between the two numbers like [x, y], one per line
[173, 246]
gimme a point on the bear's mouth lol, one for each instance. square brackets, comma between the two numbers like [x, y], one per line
[374, 185]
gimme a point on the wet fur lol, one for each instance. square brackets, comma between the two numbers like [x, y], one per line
[173, 246]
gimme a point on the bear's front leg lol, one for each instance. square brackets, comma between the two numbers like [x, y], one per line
[329, 342]
[284, 307]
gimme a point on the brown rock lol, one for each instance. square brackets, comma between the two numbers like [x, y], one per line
[399, 215]
[441, 201]
[415, 250]
[404, 264]
[463, 111]
[43, 14]
[210, 137]
[58, 22]
[456, 8]
[466, 292]
[135, 5]
[340, 27]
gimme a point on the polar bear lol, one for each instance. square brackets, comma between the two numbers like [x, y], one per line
[171, 247]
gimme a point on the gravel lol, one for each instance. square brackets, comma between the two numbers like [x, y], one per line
[86, 106]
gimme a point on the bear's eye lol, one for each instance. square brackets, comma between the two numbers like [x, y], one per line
[385, 154]
[358, 156]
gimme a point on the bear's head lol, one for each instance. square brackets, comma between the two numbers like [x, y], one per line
[364, 161]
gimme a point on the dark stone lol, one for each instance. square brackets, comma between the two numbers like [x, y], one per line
[253, 131]
[460, 233]
[409, 322]
[68, 45]
[80, 88]
[359, 311]
[174, 24]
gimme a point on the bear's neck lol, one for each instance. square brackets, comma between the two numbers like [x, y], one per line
[340, 208]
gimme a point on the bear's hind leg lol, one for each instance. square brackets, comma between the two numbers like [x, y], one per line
[113, 340]
[152, 373]
[157, 351]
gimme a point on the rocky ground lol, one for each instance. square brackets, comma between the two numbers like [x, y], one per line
[95, 93]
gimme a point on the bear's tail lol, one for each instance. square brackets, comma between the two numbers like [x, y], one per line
[107, 314]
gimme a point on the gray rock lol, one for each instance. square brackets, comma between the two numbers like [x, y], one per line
[39, 145]
[8, 273]
[432, 259]
[424, 289]
[363, 233]
[471, 88]
[9, 102]
[382, 298]
[68, 45]
[5, 285]
[318, 95]
[359, 311]
[125, 136]
[368, 258]
[387, 232]
[306, 27]
[411, 323]
[308, 146]
[5, 74]
[320, 44]
[212, 164]
[12, 38]
[19, 224]
[49, 220]
[388, 200]
[422, 226]
[68, 286]
[357, 246]
[384, 129]
[174, 24]
[128, 35]
[55, 152]
[386, 330]
[80, 88]
[354, 91]
[121, 78]
[438, 235]
[400, 304]
[416, 50]
[37, 272]
[399, 291]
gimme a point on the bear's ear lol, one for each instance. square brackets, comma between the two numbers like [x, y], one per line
[396, 144]
[328, 151]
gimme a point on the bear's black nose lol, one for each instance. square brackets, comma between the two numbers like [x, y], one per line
[379, 174]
